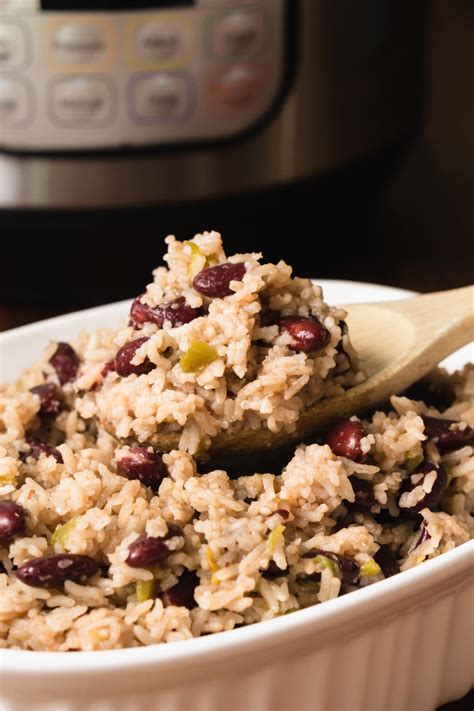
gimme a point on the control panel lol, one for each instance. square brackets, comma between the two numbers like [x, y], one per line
[110, 74]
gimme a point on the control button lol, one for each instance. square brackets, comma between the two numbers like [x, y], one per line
[238, 34]
[163, 96]
[12, 46]
[224, 3]
[15, 102]
[160, 41]
[82, 101]
[79, 43]
[236, 87]
[19, 7]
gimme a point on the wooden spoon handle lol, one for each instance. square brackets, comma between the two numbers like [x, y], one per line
[412, 335]
[444, 320]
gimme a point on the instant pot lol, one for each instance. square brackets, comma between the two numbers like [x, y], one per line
[129, 119]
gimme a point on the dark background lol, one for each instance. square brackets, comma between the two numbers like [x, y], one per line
[403, 217]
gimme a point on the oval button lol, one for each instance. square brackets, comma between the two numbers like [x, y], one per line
[79, 43]
[12, 46]
[163, 96]
[237, 87]
[160, 41]
[238, 34]
[225, 3]
[82, 101]
[15, 107]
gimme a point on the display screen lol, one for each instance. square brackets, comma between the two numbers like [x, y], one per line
[96, 5]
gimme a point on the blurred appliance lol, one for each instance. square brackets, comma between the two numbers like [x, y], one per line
[275, 121]
[113, 103]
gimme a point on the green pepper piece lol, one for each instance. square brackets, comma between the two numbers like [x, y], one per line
[145, 589]
[413, 461]
[370, 569]
[61, 533]
[198, 356]
[326, 562]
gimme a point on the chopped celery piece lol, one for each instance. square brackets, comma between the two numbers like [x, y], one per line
[62, 532]
[413, 461]
[449, 474]
[199, 260]
[145, 589]
[193, 247]
[198, 356]
[310, 585]
[325, 562]
[211, 560]
[275, 537]
[212, 565]
[370, 569]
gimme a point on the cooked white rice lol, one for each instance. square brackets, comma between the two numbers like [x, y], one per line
[255, 378]
[259, 546]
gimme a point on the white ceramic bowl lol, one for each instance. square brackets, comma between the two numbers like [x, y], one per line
[403, 643]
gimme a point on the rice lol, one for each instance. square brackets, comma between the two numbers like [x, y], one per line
[234, 551]
[255, 378]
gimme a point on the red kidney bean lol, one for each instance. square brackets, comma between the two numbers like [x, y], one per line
[272, 571]
[50, 403]
[177, 312]
[387, 561]
[147, 551]
[140, 313]
[344, 439]
[126, 354]
[307, 334]
[65, 361]
[348, 567]
[215, 281]
[12, 521]
[182, 593]
[53, 570]
[147, 467]
[424, 535]
[433, 498]
[447, 434]
[38, 447]
[109, 367]
[364, 495]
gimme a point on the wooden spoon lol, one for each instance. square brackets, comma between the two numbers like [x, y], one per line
[398, 343]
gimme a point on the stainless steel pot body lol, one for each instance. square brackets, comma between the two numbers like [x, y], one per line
[350, 84]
